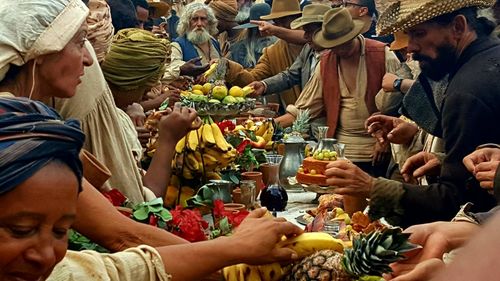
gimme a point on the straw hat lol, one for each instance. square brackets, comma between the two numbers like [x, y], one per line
[160, 8]
[400, 41]
[407, 13]
[312, 13]
[338, 28]
[283, 8]
[256, 11]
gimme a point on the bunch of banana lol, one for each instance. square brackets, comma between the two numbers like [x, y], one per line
[265, 130]
[304, 245]
[204, 151]
[211, 70]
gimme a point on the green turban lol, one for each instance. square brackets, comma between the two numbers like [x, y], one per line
[136, 59]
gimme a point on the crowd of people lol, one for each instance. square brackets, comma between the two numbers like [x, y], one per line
[411, 92]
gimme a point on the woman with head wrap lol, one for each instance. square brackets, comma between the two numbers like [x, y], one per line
[100, 29]
[41, 176]
[135, 63]
[37, 60]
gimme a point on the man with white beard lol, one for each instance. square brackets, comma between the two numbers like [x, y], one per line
[195, 47]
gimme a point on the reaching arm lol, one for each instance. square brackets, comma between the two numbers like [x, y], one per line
[289, 35]
[290, 77]
[98, 220]
[253, 242]
[158, 174]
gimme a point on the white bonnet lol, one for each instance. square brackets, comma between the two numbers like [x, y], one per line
[31, 28]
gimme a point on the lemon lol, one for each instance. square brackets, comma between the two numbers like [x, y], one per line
[236, 91]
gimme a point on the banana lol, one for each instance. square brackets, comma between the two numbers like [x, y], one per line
[211, 70]
[192, 163]
[311, 242]
[268, 135]
[181, 144]
[220, 141]
[261, 129]
[271, 272]
[213, 176]
[207, 134]
[193, 141]
[186, 173]
[209, 160]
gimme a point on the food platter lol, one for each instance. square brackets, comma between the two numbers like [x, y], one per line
[220, 109]
[300, 219]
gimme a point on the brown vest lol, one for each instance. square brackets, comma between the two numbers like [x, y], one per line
[375, 66]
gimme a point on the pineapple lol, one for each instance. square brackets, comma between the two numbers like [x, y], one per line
[301, 123]
[370, 256]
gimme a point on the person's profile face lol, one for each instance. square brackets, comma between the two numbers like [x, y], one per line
[60, 73]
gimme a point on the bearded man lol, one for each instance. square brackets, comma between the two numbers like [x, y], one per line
[195, 47]
[447, 38]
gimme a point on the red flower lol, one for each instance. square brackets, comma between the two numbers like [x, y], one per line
[153, 220]
[115, 197]
[234, 217]
[241, 147]
[188, 224]
[227, 124]
[219, 208]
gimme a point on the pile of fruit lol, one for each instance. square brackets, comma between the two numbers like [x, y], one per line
[259, 133]
[326, 258]
[203, 152]
[325, 155]
[215, 98]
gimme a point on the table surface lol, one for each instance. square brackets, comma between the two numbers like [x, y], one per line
[298, 203]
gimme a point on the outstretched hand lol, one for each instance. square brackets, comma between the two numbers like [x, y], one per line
[483, 164]
[419, 165]
[259, 235]
[190, 68]
[177, 122]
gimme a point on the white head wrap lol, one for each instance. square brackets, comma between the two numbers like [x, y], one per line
[31, 28]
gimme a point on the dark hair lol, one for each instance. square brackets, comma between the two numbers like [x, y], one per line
[372, 8]
[481, 25]
[122, 14]
[86, 2]
[140, 3]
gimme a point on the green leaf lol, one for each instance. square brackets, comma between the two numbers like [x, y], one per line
[224, 226]
[141, 214]
[252, 136]
[234, 179]
[165, 215]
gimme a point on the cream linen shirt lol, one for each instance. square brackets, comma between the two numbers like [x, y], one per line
[173, 70]
[351, 129]
[312, 95]
[141, 263]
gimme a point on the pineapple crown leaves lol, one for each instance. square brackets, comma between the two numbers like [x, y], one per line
[372, 253]
[301, 123]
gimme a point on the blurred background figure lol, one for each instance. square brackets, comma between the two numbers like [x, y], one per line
[249, 45]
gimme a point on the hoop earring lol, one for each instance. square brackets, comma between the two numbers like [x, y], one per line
[34, 80]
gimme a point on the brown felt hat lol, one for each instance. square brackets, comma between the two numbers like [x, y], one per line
[283, 8]
[312, 13]
[338, 28]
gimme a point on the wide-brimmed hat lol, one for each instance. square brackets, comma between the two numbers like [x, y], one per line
[256, 11]
[283, 8]
[160, 8]
[338, 28]
[312, 13]
[407, 13]
[400, 41]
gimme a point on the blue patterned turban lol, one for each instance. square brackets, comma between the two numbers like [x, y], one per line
[31, 136]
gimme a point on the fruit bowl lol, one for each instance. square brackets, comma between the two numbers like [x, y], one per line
[219, 109]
